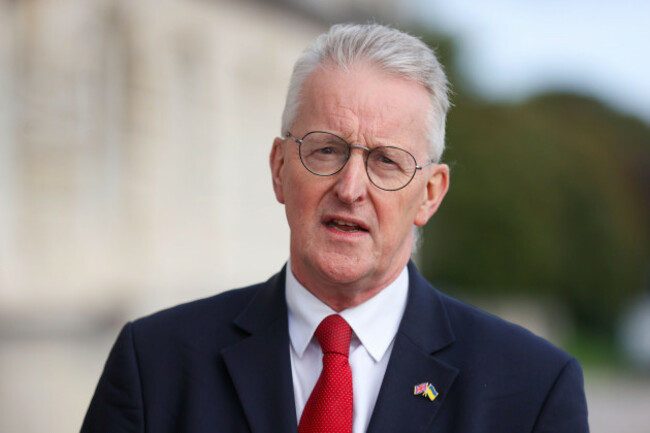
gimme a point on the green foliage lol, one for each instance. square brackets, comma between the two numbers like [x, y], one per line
[544, 199]
[549, 197]
[595, 350]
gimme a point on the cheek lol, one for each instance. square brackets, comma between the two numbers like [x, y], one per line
[302, 202]
[398, 216]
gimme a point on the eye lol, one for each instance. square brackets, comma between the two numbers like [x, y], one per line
[386, 160]
[324, 145]
[327, 150]
[382, 159]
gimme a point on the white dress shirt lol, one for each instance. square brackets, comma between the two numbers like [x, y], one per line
[374, 326]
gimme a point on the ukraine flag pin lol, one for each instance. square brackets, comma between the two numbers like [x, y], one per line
[426, 390]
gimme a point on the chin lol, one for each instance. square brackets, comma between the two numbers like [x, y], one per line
[342, 268]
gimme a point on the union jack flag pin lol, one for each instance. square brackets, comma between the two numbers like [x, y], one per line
[426, 390]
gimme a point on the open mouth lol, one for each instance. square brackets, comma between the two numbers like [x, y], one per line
[344, 226]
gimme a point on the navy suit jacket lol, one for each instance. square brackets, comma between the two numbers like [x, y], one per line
[222, 364]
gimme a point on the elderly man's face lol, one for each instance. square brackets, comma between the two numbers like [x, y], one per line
[349, 239]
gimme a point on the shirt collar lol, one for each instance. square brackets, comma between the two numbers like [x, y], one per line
[375, 322]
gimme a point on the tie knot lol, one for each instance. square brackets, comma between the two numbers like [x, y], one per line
[333, 335]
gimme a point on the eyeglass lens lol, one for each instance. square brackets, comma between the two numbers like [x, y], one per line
[388, 167]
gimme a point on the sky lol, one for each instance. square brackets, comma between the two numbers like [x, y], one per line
[511, 49]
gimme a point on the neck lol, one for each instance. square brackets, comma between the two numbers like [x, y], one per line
[340, 296]
[340, 301]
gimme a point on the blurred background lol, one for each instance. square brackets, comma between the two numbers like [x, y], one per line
[134, 140]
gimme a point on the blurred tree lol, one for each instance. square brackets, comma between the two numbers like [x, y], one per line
[549, 197]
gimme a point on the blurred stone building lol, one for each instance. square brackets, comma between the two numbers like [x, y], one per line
[134, 145]
[134, 140]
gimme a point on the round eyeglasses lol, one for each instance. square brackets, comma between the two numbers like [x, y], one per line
[324, 154]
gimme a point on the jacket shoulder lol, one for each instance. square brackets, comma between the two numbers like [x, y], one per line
[204, 324]
[518, 378]
[498, 338]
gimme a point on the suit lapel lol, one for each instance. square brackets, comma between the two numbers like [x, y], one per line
[260, 365]
[424, 331]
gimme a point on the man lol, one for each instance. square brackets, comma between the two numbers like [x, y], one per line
[348, 337]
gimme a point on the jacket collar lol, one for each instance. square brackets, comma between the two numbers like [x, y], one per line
[260, 364]
[424, 332]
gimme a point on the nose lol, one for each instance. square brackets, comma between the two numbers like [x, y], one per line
[352, 181]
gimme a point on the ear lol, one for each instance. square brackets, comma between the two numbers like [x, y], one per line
[276, 160]
[436, 188]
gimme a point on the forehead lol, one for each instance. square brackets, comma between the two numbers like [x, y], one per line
[363, 103]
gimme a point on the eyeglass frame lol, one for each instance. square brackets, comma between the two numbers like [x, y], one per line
[288, 134]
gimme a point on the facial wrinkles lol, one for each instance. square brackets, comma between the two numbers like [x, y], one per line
[364, 123]
[364, 118]
[369, 111]
[379, 128]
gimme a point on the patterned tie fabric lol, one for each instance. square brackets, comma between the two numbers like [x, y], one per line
[329, 408]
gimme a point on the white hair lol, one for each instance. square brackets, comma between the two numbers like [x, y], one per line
[391, 50]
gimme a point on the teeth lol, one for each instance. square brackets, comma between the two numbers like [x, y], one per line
[345, 226]
[344, 223]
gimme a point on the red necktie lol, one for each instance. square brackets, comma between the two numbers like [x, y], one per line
[329, 408]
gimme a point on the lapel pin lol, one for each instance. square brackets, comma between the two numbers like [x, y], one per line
[426, 390]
